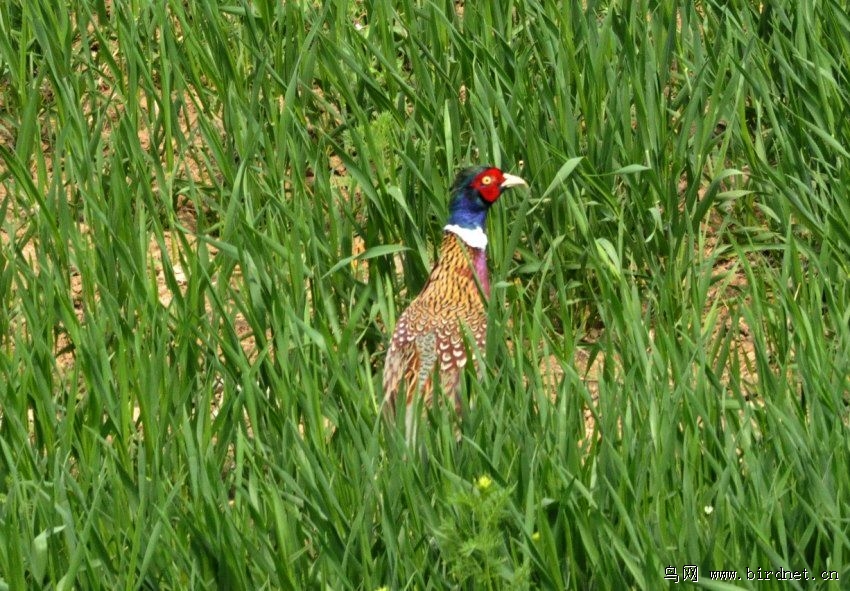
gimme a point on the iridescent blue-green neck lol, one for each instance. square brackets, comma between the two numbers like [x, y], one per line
[467, 209]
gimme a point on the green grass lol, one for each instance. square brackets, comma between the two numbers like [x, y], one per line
[689, 174]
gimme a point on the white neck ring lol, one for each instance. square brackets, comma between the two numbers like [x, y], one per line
[474, 237]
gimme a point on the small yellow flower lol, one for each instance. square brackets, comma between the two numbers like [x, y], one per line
[535, 537]
[484, 482]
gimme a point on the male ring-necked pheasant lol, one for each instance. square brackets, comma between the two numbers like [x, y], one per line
[430, 332]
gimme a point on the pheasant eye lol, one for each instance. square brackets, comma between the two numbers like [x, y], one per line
[486, 180]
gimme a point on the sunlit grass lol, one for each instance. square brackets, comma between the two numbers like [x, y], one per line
[212, 213]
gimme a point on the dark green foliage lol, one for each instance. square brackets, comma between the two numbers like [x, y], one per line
[689, 175]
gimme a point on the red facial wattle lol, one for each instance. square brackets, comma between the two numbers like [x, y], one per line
[488, 184]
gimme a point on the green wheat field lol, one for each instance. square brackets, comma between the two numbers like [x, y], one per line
[213, 213]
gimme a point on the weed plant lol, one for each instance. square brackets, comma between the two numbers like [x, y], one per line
[212, 213]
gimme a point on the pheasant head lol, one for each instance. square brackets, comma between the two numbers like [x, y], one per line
[474, 191]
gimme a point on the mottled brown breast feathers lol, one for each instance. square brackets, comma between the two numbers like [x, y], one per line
[431, 330]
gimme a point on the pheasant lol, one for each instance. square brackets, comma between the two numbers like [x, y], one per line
[430, 332]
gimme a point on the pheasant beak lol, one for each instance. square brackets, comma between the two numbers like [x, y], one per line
[512, 181]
